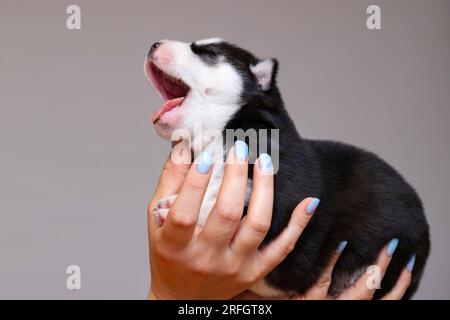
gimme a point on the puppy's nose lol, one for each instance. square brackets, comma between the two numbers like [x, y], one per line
[153, 49]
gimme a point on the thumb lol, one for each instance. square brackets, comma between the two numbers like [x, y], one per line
[172, 177]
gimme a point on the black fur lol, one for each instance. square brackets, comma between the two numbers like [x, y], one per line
[363, 199]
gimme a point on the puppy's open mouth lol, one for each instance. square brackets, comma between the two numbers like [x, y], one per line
[172, 90]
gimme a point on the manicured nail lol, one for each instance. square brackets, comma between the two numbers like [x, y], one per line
[341, 247]
[205, 162]
[265, 163]
[411, 262]
[312, 206]
[392, 246]
[241, 150]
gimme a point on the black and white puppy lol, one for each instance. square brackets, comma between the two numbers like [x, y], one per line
[363, 199]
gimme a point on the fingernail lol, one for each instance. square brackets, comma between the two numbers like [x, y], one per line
[312, 206]
[411, 262]
[392, 246]
[205, 162]
[240, 150]
[341, 247]
[265, 163]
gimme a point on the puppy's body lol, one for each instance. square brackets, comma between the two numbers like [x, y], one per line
[363, 199]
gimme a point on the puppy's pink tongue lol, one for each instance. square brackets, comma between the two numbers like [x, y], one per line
[167, 106]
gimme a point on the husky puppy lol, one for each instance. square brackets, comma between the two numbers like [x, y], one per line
[363, 199]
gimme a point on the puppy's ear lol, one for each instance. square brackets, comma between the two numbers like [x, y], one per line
[265, 72]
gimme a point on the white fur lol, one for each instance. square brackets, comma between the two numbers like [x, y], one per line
[209, 41]
[162, 210]
[209, 200]
[215, 90]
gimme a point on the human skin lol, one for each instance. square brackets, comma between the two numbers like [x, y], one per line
[223, 258]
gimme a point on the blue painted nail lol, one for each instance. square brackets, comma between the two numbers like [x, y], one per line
[240, 150]
[205, 162]
[411, 262]
[265, 163]
[392, 246]
[341, 247]
[312, 206]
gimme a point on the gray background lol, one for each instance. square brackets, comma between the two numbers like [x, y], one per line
[79, 157]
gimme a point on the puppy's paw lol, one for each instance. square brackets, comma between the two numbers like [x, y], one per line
[162, 209]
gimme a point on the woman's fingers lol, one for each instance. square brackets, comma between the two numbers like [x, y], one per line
[226, 215]
[319, 290]
[400, 287]
[256, 224]
[280, 247]
[172, 177]
[365, 286]
[403, 282]
[182, 219]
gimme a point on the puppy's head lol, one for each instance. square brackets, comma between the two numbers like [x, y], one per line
[205, 82]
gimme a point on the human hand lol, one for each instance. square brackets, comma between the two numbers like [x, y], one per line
[222, 258]
[360, 290]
